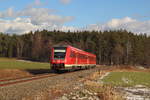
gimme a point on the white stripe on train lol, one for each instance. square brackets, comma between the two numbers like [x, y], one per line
[71, 65]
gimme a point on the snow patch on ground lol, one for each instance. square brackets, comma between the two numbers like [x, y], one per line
[103, 76]
[138, 92]
[28, 61]
[126, 80]
[140, 67]
[24, 61]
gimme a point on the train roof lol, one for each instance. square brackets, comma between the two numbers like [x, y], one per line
[75, 49]
[82, 51]
[60, 45]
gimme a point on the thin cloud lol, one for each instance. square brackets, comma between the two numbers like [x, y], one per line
[38, 2]
[29, 19]
[126, 23]
[65, 1]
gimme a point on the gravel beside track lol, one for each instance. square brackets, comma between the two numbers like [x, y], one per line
[21, 91]
[5, 82]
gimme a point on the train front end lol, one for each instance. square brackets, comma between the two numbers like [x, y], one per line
[58, 58]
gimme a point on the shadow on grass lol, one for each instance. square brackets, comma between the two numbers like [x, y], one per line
[47, 71]
[39, 71]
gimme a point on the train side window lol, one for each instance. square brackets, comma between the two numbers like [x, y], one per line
[79, 55]
[72, 54]
[82, 56]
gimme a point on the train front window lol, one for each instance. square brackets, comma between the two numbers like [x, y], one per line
[59, 52]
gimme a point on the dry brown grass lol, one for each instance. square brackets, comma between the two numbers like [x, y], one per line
[13, 73]
[107, 92]
[104, 92]
[128, 68]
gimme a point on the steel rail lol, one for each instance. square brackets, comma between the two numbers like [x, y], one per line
[6, 82]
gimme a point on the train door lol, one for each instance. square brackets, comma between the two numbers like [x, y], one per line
[87, 60]
[76, 57]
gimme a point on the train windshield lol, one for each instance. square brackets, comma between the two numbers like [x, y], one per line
[59, 52]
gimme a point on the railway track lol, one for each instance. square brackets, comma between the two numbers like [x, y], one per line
[44, 86]
[6, 82]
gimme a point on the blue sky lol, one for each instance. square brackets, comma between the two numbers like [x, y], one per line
[75, 14]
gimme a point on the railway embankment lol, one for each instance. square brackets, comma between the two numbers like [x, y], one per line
[88, 84]
[45, 88]
[118, 83]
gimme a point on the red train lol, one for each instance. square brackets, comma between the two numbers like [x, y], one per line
[68, 57]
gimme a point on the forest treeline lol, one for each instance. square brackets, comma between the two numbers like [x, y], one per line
[111, 47]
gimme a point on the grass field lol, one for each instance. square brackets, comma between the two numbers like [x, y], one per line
[127, 79]
[12, 63]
